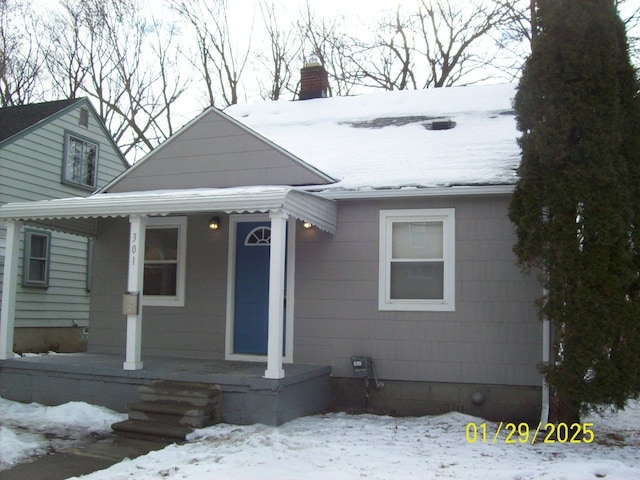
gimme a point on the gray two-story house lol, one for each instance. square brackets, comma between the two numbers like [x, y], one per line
[53, 150]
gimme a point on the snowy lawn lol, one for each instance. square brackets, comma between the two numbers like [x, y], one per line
[28, 430]
[340, 446]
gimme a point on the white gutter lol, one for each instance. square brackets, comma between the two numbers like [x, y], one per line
[546, 357]
[465, 190]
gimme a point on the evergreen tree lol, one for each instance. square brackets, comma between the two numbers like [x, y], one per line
[576, 205]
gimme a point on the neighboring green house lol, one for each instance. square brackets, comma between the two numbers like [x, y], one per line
[53, 150]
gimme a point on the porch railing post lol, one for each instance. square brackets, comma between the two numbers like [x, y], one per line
[9, 286]
[138, 223]
[276, 295]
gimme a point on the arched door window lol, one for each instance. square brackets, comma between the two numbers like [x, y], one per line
[258, 237]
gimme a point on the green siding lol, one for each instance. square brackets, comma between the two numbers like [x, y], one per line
[31, 169]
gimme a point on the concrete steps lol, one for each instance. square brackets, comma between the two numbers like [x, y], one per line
[171, 410]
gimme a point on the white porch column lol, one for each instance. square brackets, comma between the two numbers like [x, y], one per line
[276, 295]
[138, 225]
[9, 284]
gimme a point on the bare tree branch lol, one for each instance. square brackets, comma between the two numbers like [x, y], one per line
[219, 56]
[449, 34]
[125, 61]
[327, 41]
[284, 47]
[20, 55]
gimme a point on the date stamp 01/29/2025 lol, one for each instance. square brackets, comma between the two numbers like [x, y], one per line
[522, 433]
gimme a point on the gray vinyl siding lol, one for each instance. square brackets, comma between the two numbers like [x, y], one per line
[215, 152]
[196, 330]
[31, 169]
[65, 302]
[31, 165]
[492, 337]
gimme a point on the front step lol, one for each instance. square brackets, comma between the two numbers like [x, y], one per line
[170, 410]
[151, 430]
[182, 413]
[198, 394]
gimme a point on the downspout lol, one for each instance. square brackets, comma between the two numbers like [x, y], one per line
[546, 356]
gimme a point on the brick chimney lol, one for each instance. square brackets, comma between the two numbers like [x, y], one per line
[314, 81]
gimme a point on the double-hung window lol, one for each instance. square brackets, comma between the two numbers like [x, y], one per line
[80, 161]
[164, 261]
[35, 269]
[417, 260]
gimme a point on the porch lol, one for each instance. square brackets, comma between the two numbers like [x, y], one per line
[99, 379]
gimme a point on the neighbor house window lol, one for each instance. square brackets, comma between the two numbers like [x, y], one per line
[80, 161]
[417, 255]
[164, 261]
[35, 271]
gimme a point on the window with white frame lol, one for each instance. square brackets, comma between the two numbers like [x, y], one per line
[164, 261]
[35, 269]
[417, 260]
[80, 161]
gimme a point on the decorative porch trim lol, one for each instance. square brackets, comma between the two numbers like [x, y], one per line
[304, 206]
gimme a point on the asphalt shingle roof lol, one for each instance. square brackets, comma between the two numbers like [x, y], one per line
[14, 120]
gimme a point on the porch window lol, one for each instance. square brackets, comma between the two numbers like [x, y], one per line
[164, 261]
[35, 270]
[417, 251]
[80, 161]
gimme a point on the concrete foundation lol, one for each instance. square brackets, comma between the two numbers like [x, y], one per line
[53, 339]
[247, 398]
[402, 398]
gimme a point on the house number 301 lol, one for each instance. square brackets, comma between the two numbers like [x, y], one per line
[134, 247]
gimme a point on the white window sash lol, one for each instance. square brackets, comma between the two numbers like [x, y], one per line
[171, 300]
[80, 162]
[445, 216]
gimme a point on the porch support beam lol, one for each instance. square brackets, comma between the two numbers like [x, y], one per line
[138, 223]
[276, 294]
[9, 287]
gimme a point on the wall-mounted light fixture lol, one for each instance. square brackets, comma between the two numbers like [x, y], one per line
[307, 225]
[214, 223]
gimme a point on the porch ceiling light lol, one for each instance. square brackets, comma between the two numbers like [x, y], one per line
[307, 225]
[214, 223]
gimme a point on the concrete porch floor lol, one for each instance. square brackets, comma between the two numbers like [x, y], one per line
[99, 379]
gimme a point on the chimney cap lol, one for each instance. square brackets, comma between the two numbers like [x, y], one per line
[313, 61]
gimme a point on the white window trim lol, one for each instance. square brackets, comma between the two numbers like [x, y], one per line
[29, 233]
[65, 166]
[387, 218]
[178, 299]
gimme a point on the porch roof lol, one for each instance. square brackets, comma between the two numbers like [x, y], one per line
[55, 213]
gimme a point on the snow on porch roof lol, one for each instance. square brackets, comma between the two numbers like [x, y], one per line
[304, 206]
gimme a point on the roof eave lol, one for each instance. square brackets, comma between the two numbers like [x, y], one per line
[308, 207]
[407, 192]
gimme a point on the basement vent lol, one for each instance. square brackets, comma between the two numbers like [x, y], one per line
[84, 117]
[440, 124]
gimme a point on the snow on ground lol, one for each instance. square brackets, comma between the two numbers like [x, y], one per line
[28, 430]
[337, 446]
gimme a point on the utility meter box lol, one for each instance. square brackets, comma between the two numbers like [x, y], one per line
[361, 366]
[130, 303]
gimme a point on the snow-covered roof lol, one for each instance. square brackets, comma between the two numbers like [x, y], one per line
[388, 140]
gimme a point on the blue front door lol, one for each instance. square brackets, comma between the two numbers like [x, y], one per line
[251, 306]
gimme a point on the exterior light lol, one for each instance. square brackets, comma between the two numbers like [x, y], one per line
[307, 225]
[214, 223]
